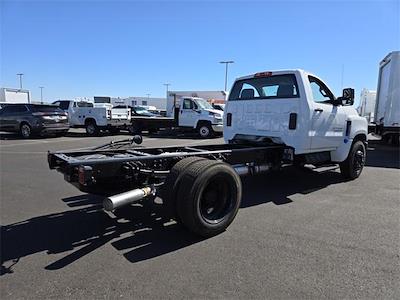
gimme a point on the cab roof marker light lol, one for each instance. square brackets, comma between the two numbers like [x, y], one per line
[263, 74]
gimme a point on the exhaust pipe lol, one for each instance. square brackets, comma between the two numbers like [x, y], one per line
[126, 198]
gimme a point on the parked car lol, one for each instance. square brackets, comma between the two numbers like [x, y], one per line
[30, 119]
[142, 111]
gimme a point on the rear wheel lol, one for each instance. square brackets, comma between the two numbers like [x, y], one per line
[208, 197]
[170, 187]
[25, 130]
[91, 128]
[352, 167]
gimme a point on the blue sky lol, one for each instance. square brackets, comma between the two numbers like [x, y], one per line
[130, 48]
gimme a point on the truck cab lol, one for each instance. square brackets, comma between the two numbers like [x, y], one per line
[297, 109]
[199, 114]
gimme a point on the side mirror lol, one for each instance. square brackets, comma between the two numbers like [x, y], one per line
[347, 97]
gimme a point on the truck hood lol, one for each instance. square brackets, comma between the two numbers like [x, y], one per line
[216, 111]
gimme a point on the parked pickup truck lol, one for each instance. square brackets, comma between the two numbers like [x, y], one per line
[273, 120]
[83, 114]
[191, 113]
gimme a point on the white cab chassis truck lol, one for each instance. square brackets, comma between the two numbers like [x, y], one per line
[188, 113]
[273, 120]
[387, 105]
[84, 114]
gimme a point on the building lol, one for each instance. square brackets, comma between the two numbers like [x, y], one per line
[367, 104]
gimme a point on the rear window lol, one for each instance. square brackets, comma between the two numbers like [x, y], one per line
[45, 108]
[84, 104]
[272, 87]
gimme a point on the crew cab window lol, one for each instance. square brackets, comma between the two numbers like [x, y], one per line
[269, 87]
[187, 104]
[320, 92]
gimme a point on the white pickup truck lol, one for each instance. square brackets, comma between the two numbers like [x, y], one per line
[272, 120]
[84, 114]
[297, 109]
[188, 113]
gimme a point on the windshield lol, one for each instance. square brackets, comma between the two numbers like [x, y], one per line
[203, 104]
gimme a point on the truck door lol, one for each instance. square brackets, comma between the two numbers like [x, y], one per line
[187, 114]
[328, 121]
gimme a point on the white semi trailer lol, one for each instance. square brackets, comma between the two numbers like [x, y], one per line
[387, 107]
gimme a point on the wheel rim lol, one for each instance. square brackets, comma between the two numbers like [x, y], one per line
[204, 131]
[359, 161]
[25, 130]
[216, 200]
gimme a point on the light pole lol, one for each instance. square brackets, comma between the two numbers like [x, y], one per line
[167, 85]
[41, 94]
[20, 80]
[148, 97]
[227, 62]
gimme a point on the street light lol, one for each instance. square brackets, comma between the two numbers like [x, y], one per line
[227, 62]
[20, 80]
[167, 85]
[41, 94]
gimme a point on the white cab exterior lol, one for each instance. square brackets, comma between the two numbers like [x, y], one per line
[319, 126]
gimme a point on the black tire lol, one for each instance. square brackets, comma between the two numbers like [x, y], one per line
[205, 130]
[25, 130]
[170, 187]
[352, 167]
[209, 196]
[92, 129]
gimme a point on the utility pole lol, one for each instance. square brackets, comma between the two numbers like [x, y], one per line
[167, 85]
[227, 62]
[20, 80]
[41, 94]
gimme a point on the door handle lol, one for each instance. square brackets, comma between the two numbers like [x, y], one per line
[318, 110]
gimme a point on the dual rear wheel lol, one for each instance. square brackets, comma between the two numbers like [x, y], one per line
[204, 195]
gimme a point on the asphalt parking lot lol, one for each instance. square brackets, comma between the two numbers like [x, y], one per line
[298, 234]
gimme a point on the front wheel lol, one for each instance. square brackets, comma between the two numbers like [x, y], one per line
[205, 131]
[352, 167]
